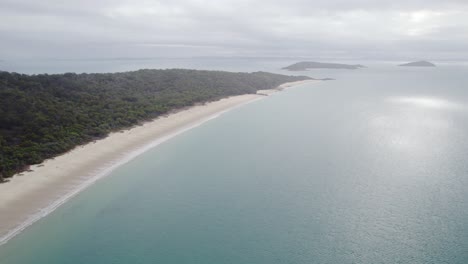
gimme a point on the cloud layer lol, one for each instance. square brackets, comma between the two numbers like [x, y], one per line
[354, 29]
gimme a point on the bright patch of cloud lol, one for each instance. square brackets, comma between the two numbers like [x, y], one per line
[356, 28]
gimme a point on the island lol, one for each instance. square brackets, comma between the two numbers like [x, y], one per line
[306, 65]
[42, 116]
[418, 64]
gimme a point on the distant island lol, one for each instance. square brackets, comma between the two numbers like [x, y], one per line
[418, 64]
[42, 116]
[305, 65]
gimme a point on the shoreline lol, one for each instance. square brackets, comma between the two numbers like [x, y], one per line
[32, 195]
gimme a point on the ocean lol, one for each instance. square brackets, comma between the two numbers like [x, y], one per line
[369, 168]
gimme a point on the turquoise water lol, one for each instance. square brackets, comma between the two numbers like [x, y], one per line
[371, 168]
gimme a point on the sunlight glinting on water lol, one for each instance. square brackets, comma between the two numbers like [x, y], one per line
[426, 102]
[415, 126]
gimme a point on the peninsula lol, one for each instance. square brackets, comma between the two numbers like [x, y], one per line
[61, 133]
[306, 65]
[42, 116]
[418, 64]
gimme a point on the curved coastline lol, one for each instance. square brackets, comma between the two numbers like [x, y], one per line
[49, 191]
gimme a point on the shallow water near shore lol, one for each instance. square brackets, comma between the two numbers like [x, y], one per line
[370, 168]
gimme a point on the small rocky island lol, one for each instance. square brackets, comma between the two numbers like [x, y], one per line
[418, 64]
[306, 65]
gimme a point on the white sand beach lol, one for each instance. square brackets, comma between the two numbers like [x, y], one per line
[31, 195]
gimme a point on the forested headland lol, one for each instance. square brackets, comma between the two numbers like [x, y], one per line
[42, 116]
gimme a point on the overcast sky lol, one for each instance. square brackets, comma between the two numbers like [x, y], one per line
[356, 29]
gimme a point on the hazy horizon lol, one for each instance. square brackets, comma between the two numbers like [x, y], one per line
[334, 29]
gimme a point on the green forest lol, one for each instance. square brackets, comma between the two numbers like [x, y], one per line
[42, 116]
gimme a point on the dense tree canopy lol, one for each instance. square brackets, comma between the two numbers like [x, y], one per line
[44, 115]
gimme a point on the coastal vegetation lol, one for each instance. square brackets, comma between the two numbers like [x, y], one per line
[42, 116]
[305, 65]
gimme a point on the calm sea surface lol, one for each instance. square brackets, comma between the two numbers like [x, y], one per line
[370, 168]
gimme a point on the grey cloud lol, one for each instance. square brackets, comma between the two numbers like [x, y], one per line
[347, 28]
